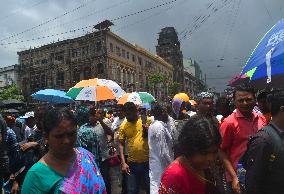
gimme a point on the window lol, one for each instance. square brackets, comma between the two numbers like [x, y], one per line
[74, 53]
[60, 79]
[123, 53]
[100, 68]
[87, 73]
[139, 60]
[98, 46]
[59, 58]
[133, 58]
[118, 51]
[111, 47]
[85, 50]
[35, 82]
[43, 81]
[44, 61]
[127, 55]
[76, 75]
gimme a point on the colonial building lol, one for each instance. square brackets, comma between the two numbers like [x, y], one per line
[8, 75]
[193, 79]
[100, 54]
[169, 49]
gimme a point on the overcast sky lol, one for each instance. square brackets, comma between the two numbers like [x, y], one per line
[219, 34]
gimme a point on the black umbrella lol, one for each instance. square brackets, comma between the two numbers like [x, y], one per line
[11, 110]
[12, 103]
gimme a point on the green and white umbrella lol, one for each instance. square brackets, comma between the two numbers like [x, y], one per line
[95, 90]
[138, 98]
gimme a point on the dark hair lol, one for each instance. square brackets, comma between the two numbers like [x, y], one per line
[39, 113]
[92, 111]
[157, 110]
[54, 116]
[129, 106]
[276, 98]
[244, 88]
[197, 135]
[262, 95]
[188, 107]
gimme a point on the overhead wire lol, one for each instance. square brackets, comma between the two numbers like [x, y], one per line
[196, 18]
[85, 27]
[144, 10]
[235, 14]
[49, 20]
[18, 10]
[80, 18]
[198, 23]
[144, 19]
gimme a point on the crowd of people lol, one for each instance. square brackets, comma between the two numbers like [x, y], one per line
[220, 146]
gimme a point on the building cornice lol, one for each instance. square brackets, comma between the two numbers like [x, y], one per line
[141, 50]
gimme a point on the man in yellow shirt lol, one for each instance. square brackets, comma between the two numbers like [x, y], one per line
[134, 130]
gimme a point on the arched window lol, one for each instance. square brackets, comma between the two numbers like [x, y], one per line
[87, 73]
[100, 68]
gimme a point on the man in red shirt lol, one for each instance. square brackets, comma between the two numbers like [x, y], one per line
[241, 124]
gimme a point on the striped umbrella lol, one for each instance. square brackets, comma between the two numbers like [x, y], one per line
[95, 90]
[138, 98]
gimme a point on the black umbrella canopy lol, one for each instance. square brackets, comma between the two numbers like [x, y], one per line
[277, 81]
[11, 111]
[11, 103]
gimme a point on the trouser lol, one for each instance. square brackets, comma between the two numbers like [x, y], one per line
[1, 184]
[105, 171]
[124, 184]
[138, 172]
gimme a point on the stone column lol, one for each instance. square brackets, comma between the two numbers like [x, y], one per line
[121, 77]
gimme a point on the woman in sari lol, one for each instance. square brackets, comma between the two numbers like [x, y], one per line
[198, 145]
[64, 169]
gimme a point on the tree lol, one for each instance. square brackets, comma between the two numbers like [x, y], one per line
[11, 92]
[155, 80]
[174, 88]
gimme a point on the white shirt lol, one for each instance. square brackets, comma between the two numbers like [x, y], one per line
[116, 123]
[160, 151]
[29, 131]
[191, 113]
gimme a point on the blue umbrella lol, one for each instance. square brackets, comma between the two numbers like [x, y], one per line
[52, 96]
[266, 63]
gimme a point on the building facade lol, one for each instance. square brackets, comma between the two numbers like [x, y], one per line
[100, 54]
[8, 75]
[169, 49]
[193, 79]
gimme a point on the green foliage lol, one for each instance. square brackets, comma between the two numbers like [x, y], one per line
[156, 79]
[11, 92]
[174, 88]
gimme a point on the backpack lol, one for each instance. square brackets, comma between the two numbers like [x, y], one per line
[275, 167]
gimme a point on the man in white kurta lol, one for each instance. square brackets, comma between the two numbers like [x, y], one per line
[160, 146]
